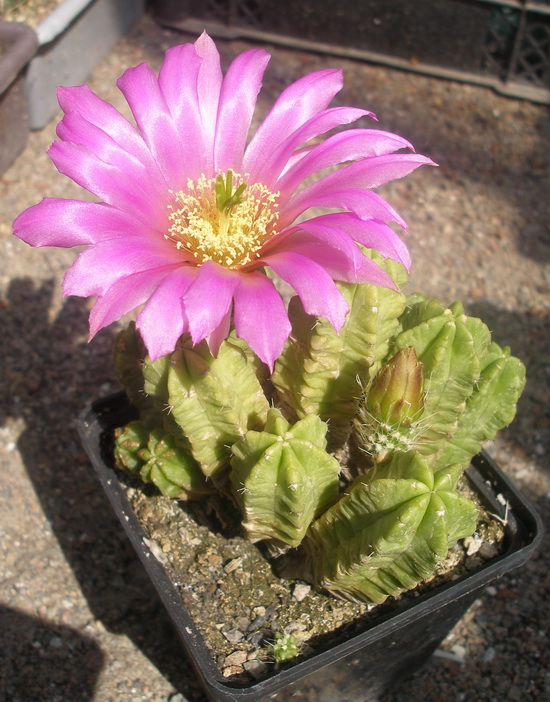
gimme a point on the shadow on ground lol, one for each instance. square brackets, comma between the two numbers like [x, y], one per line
[34, 667]
[48, 364]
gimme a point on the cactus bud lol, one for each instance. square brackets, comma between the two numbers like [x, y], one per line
[395, 395]
[394, 402]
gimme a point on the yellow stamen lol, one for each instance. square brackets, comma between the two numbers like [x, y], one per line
[223, 219]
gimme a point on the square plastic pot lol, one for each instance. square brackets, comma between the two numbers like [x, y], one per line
[366, 664]
[73, 40]
[17, 44]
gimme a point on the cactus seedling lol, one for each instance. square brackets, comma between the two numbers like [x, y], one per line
[285, 647]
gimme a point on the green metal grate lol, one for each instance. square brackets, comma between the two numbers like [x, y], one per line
[501, 43]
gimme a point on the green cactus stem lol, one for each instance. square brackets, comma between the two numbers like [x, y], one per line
[385, 535]
[215, 400]
[323, 372]
[491, 406]
[447, 343]
[128, 355]
[161, 460]
[282, 479]
[129, 441]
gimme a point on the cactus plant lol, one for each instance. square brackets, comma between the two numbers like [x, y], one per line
[283, 478]
[345, 462]
[386, 534]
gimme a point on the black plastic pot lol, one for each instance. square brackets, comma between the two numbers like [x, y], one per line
[396, 644]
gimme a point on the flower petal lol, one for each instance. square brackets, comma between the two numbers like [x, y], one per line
[141, 89]
[313, 284]
[364, 203]
[220, 333]
[350, 145]
[65, 223]
[178, 79]
[109, 183]
[371, 233]
[80, 100]
[275, 162]
[368, 173]
[260, 316]
[209, 298]
[240, 89]
[374, 274]
[329, 247]
[124, 296]
[209, 85]
[295, 106]
[76, 130]
[163, 320]
[97, 269]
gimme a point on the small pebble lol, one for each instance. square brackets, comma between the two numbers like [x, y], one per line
[301, 591]
[235, 658]
[233, 635]
[232, 670]
[257, 669]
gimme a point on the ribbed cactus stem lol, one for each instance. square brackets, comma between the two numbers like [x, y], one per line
[323, 372]
[283, 478]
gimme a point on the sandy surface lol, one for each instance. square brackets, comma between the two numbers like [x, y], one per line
[78, 617]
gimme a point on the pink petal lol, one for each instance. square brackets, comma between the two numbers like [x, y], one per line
[268, 166]
[178, 78]
[209, 298]
[313, 284]
[124, 296]
[109, 183]
[364, 203]
[99, 267]
[65, 223]
[371, 233]
[76, 130]
[350, 145]
[368, 173]
[209, 85]
[339, 266]
[142, 91]
[215, 338]
[293, 108]
[163, 320]
[372, 273]
[80, 100]
[329, 247]
[260, 316]
[240, 89]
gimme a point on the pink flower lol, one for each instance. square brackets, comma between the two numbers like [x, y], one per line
[191, 215]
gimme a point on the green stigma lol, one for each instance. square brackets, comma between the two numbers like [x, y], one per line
[225, 198]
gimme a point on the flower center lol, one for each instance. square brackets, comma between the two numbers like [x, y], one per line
[223, 219]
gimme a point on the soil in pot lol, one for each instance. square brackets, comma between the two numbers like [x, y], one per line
[241, 606]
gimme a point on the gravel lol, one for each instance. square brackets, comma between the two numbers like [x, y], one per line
[79, 620]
